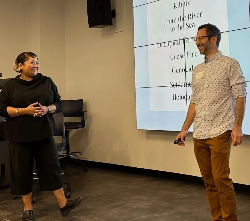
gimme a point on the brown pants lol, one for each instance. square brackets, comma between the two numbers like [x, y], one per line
[213, 159]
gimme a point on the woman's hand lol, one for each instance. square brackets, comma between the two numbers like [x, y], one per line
[34, 111]
[44, 109]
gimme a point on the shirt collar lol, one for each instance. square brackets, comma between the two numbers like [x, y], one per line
[214, 57]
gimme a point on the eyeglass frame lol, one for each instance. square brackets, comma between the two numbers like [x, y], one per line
[202, 37]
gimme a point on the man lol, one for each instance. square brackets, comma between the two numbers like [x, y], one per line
[217, 109]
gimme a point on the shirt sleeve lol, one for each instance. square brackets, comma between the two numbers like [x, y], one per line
[56, 98]
[5, 100]
[237, 80]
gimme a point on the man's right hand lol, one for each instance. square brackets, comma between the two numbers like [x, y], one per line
[182, 135]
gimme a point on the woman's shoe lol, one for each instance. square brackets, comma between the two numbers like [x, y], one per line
[71, 204]
[28, 215]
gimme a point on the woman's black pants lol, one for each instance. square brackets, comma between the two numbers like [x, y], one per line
[22, 156]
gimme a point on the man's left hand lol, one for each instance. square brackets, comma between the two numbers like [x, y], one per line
[237, 136]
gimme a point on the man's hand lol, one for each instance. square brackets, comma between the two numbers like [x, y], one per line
[188, 122]
[182, 135]
[236, 135]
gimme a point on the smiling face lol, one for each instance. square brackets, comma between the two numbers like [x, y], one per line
[206, 44]
[203, 42]
[30, 67]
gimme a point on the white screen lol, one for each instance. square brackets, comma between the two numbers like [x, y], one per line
[165, 54]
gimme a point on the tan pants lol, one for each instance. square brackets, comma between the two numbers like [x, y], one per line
[213, 159]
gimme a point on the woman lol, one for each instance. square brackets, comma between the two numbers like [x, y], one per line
[28, 102]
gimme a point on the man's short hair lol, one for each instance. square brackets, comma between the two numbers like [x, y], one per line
[212, 30]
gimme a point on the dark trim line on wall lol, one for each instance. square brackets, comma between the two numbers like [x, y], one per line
[241, 188]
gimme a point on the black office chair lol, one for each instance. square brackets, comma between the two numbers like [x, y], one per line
[2, 82]
[2, 122]
[2, 165]
[73, 109]
[59, 131]
[61, 146]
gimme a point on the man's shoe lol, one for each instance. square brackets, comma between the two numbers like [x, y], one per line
[71, 204]
[28, 215]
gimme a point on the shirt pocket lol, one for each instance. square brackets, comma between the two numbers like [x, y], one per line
[219, 86]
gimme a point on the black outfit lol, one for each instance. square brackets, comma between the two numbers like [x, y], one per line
[20, 94]
[31, 137]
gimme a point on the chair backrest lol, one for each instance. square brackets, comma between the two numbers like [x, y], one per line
[2, 132]
[72, 108]
[59, 131]
[59, 124]
[2, 82]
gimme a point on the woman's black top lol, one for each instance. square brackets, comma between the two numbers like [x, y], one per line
[19, 93]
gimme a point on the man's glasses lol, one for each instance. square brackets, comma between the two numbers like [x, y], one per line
[202, 37]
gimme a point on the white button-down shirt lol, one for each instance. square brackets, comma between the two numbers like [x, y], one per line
[216, 84]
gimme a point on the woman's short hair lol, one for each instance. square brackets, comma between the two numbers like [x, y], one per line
[21, 58]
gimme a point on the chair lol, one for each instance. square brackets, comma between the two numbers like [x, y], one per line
[59, 131]
[61, 146]
[2, 82]
[73, 109]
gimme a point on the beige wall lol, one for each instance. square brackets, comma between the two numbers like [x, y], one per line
[37, 26]
[15, 33]
[100, 69]
[52, 41]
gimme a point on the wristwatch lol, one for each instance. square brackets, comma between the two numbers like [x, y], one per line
[49, 110]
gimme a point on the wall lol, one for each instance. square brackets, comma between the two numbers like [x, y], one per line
[100, 69]
[36, 26]
[52, 42]
[16, 32]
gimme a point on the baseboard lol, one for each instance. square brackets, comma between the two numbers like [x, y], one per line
[242, 188]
